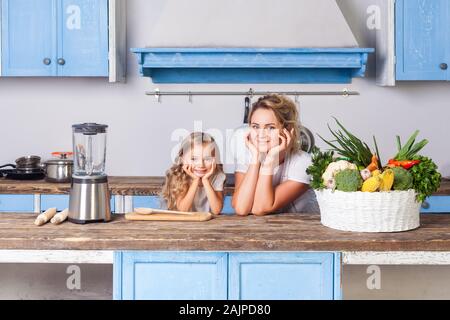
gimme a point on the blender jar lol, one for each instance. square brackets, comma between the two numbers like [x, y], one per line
[89, 147]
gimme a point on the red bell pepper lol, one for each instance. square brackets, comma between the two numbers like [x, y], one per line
[405, 164]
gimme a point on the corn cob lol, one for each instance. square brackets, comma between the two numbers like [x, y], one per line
[387, 180]
[371, 185]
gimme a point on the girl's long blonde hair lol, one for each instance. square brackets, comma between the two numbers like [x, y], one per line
[285, 111]
[177, 181]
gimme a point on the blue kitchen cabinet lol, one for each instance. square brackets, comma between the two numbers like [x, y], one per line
[170, 276]
[17, 203]
[436, 204]
[222, 275]
[422, 39]
[284, 276]
[28, 37]
[55, 38]
[147, 202]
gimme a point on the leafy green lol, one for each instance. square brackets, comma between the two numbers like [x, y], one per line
[409, 150]
[320, 162]
[349, 146]
[426, 178]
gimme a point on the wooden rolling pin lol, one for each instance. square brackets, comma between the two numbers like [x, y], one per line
[152, 211]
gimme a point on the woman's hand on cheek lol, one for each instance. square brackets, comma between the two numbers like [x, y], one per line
[253, 149]
[274, 153]
[211, 172]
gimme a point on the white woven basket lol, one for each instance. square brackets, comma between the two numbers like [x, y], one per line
[369, 211]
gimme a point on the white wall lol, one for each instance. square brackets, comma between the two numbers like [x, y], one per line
[37, 115]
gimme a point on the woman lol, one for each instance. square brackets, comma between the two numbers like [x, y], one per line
[271, 175]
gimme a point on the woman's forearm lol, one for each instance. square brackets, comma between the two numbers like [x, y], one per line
[185, 203]
[244, 194]
[215, 201]
[265, 192]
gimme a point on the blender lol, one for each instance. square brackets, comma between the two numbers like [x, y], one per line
[89, 194]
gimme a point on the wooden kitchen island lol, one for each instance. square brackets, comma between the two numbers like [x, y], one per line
[284, 256]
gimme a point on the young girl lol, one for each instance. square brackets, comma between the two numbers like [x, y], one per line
[195, 181]
[271, 174]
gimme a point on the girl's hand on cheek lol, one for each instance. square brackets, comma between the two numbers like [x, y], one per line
[211, 172]
[187, 168]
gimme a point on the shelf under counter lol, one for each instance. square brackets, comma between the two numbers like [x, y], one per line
[123, 185]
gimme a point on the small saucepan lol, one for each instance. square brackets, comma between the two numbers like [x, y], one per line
[60, 168]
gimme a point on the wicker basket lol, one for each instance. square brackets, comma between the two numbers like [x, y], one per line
[369, 211]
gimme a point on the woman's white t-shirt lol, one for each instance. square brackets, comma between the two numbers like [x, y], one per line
[293, 169]
[201, 203]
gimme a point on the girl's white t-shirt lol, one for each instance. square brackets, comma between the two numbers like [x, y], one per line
[201, 203]
[294, 169]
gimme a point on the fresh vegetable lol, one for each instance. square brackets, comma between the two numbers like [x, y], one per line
[334, 167]
[405, 164]
[376, 173]
[410, 149]
[349, 146]
[426, 178]
[387, 180]
[371, 185]
[365, 174]
[403, 179]
[374, 164]
[320, 161]
[348, 180]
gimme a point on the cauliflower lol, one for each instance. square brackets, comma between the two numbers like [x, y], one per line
[333, 168]
[403, 179]
[365, 174]
[348, 180]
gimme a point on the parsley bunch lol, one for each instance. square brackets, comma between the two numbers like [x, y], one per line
[426, 178]
[320, 162]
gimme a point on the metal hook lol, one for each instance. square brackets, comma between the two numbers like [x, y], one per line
[296, 98]
[251, 93]
[345, 93]
[158, 95]
[190, 97]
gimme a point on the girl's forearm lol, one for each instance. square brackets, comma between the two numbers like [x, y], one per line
[215, 201]
[185, 204]
[244, 196]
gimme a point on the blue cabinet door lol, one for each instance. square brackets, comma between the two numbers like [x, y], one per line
[16, 203]
[170, 276]
[83, 38]
[422, 39]
[286, 276]
[28, 37]
[436, 204]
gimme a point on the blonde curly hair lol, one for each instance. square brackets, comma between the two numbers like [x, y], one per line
[177, 181]
[286, 113]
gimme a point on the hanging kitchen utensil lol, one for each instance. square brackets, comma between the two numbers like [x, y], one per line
[247, 109]
[307, 141]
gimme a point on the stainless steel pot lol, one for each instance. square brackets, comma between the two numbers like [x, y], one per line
[58, 170]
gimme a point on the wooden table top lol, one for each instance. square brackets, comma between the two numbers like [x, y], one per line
[282, 232]
[140, 186]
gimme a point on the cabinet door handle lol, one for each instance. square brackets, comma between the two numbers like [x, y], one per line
[443, 66]
[61, 61]
[47, 61]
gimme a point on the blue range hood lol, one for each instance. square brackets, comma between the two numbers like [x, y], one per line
[252, 65]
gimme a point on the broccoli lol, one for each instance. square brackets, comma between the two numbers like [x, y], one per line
[403, 179]
[348, 180]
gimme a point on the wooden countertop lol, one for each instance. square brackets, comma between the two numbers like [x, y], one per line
[140, 186]
[282, 232]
